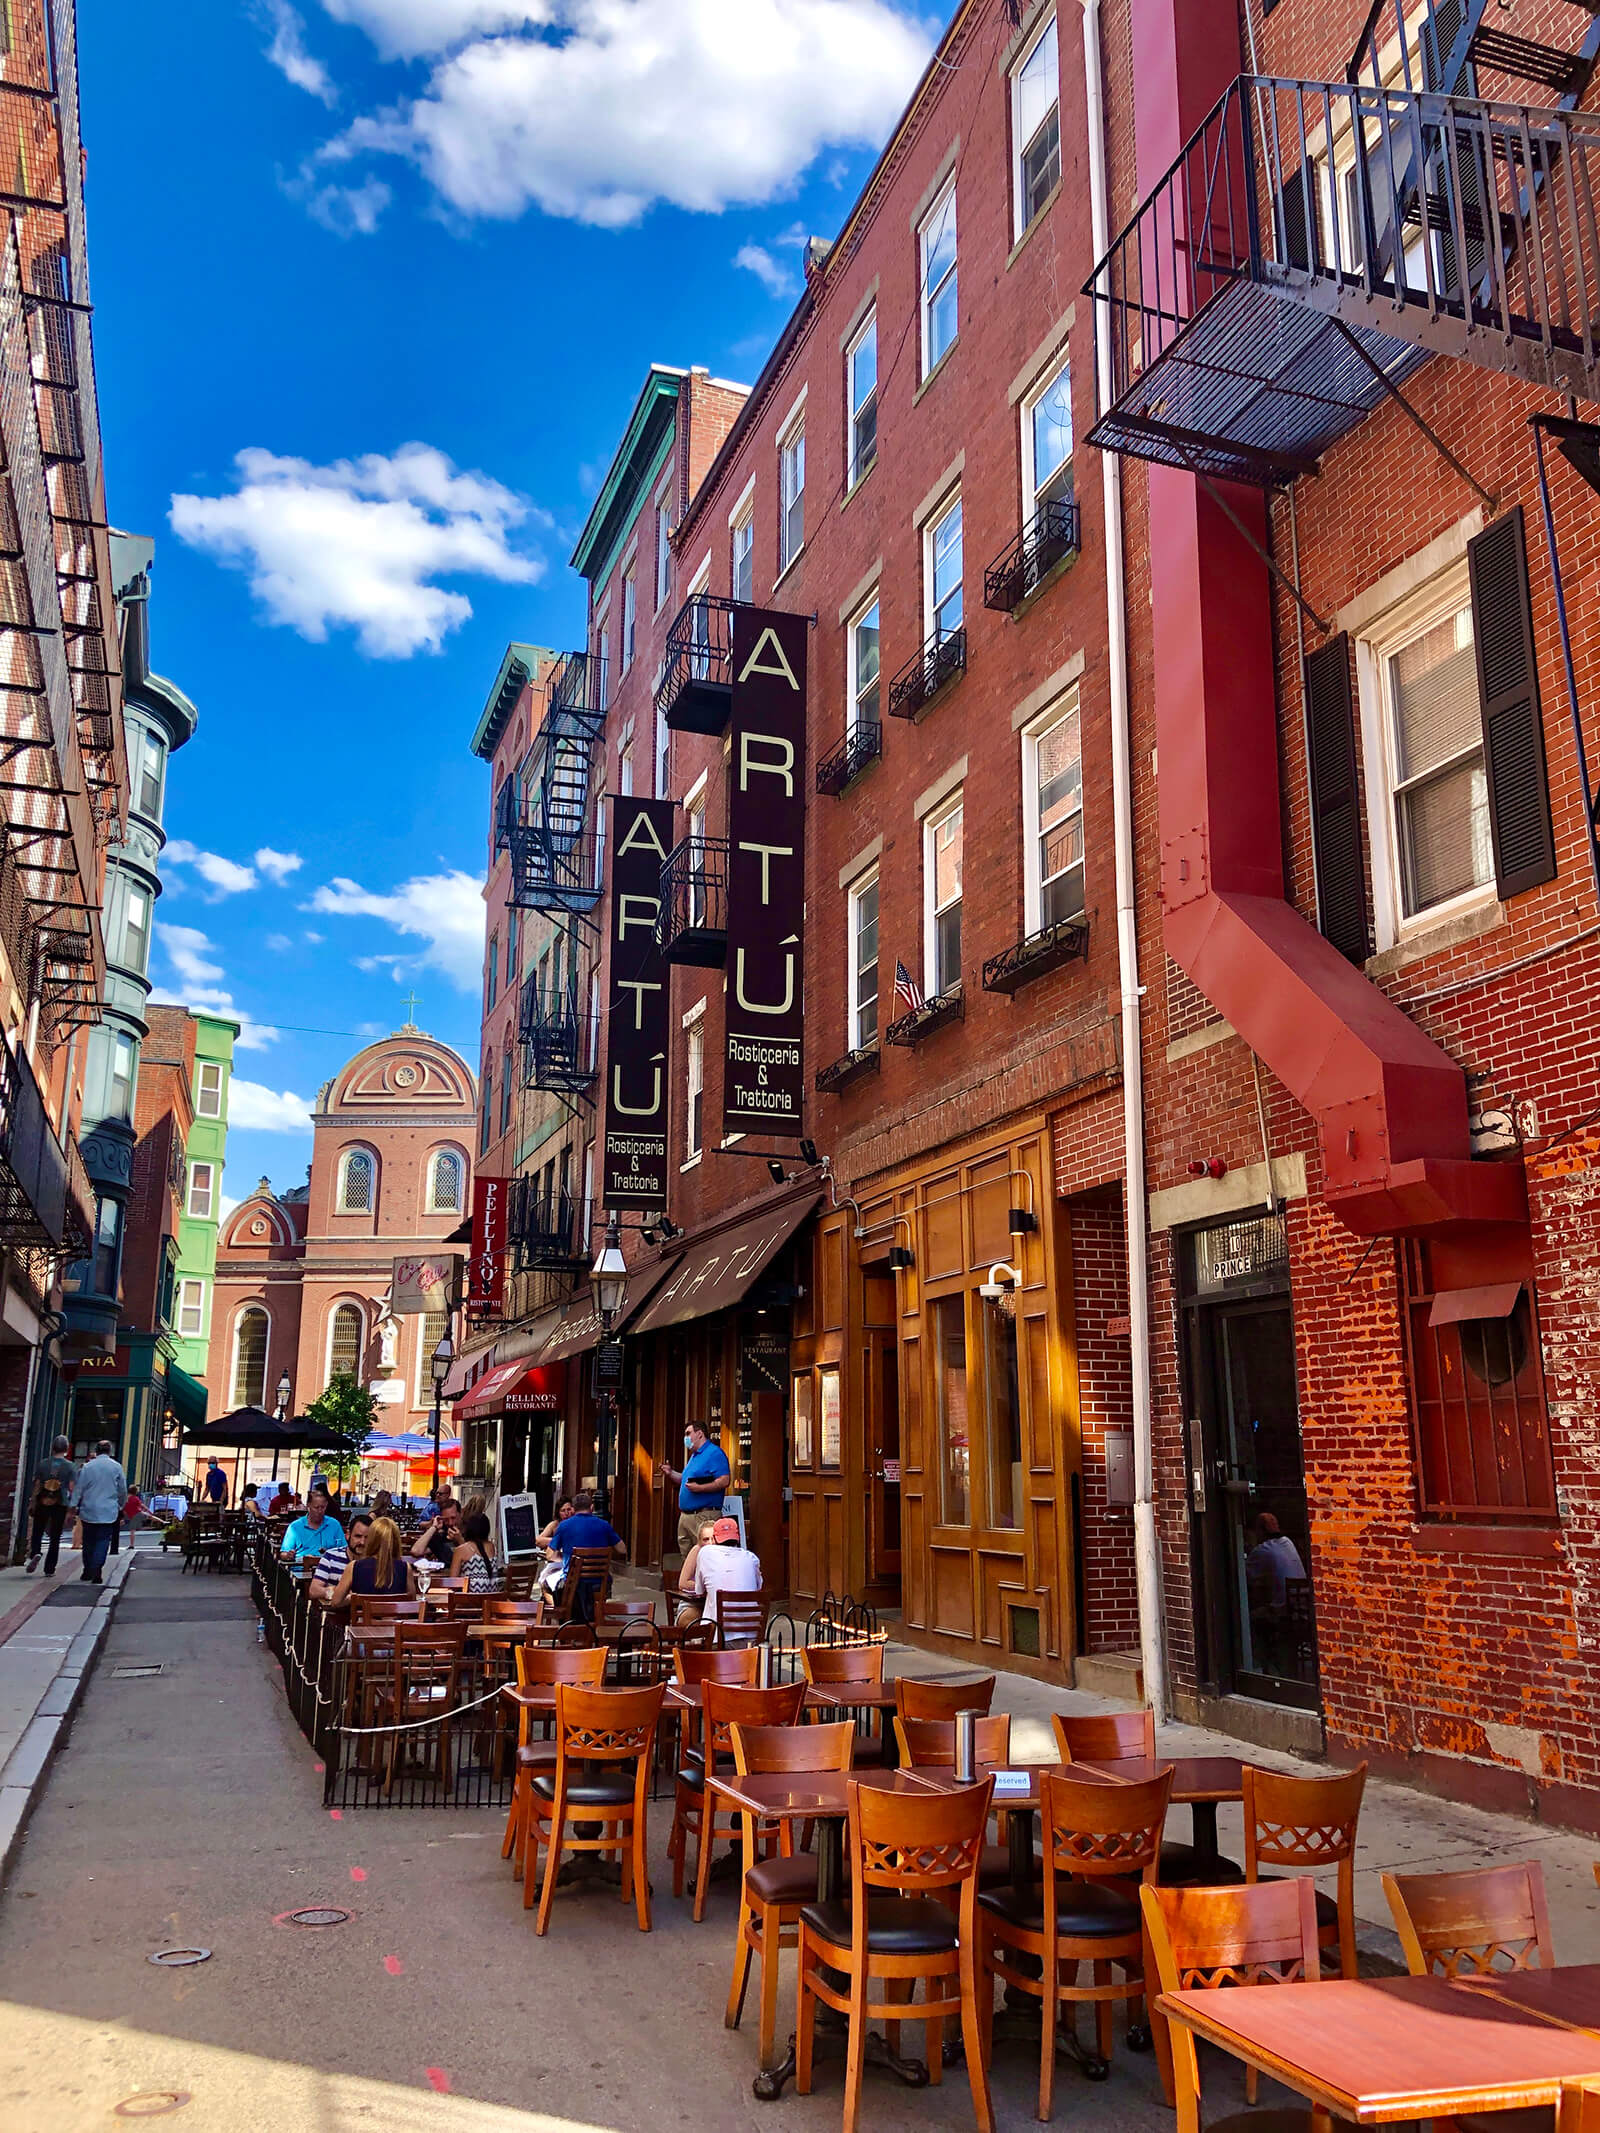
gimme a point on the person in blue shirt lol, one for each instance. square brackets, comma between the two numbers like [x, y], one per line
[702, 1484]
[585, 1529]
[314, 1531]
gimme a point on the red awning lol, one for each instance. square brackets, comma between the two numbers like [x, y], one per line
[1453, 1307]
[485, 1398]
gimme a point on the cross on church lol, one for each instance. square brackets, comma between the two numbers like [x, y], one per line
[411, 1009]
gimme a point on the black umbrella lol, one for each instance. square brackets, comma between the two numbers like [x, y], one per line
[252, 1429]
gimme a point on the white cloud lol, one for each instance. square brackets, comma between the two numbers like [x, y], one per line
[315, 939]
[606, 107]
[252, 1104]
[280, 865]
[287, 52]
[198, 983]
[773, 276]
[226, 876]
[445, 911]
[279, 943]
[359, 543]
[347, 210]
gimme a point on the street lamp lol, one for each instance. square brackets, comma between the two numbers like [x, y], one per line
[609, 1278]
[443, 1356]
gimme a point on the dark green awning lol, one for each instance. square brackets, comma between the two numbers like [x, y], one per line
[187, 1398]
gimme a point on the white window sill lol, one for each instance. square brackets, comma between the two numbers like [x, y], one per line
[693, 1162]
[795, 558]
[1466, 921]
[937, 370]
[1044, 208]
[858, 484]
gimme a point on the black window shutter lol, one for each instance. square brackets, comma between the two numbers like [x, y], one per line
[1336, 800]
[1508, 690]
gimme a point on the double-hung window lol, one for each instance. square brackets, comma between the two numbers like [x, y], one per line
[136, 929]
[791, 494]
[191, 1308]
[208, 1094]
[124, 1062]
[152, 771]
[663, 549]
[1433, 749]
[941, 889]
[699, 606]
[625, 772]
[744, 557]
[862, 657]
[695, 1089]
[942, 574]
[861, 386]
[1036, 125]
[863, 950]
[1052, 817]
[1047, 445]
[694, 809]
[630, 618]
[602, 654]
[202, 1187]
[938, 247]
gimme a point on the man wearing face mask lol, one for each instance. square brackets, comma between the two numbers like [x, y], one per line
[702, 1484]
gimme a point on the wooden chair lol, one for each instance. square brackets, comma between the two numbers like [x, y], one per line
[906, 1853]
[609, 1611]
[1308, 1824]
[588, 1583]
[428, 1658]
[1098, 1840]
[541, 1666]
[694, 1810]
[517, 1581]
[368, 1607]
[1579, 2108]
[932, 1741]
[604, 1726]
[466, 1607]
[772, 1891]
[1256, 1935]
[941, 1699]
[742, 1617]
[827, 1664]
[508, 1609]
[1115, 1736]
[1472, 1924]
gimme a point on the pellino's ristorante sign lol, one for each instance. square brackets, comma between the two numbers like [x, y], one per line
[634, 1151]
[763, 1080]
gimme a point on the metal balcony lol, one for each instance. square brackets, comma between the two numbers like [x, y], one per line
[548, 1231]
[923, 1021]
[696, 691]
[577, 704]
[693, 926]
[844, 762]
[549, 873]
[560, 1047]
[46, 1200]
[920, 679]
[1255, 314]
[1049, 537]
[1067, 941]
[854, 1066]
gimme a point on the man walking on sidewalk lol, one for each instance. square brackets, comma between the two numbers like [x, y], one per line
[52, 1488]
[98, 1499]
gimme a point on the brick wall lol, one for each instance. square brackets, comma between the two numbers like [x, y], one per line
[1100, 1317]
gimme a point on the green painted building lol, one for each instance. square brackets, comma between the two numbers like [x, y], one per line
[212, 1077]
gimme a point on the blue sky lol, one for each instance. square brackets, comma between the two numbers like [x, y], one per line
[376, 282]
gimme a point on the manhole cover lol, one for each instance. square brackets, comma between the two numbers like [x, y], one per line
[179, 1958]
[315, 1915]
[155, 2105]
[137, 1673]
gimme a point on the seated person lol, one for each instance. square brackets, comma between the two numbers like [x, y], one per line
[688, 1591]
[722, 1563]
[335, 1558]
[472, 1560]
[383, 1504]
[441, 1536]
[312, 1533]
[564, 1509]
[382, 1572]
[585, 1529]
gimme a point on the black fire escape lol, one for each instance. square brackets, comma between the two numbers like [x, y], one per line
[548, 1230]
[541, 818]
[695, 693]
[560, 1046]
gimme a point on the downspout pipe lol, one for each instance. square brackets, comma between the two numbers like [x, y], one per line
[1146, 1540]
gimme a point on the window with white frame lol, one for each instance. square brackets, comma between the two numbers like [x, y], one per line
[630, 618]
[346, 1339]
[601, 810]
[698, 604]
[1439, 845]
[941, 888]
[938, 248]
[861, 656]
[695, 1090]
[357, 1179]
[861, 391]
[694, 809]
[862, 934]
[744, 557]
[208, 1093]
[1036, 124]
[1052, 817]
[602, 653]
[250, 1358]
[663, 752]
[663, 549]
[202, 1190]
[1047, 444]
[941, 574]
[625, 772]
[136, 928]
[191, 1308]
[152, 772]
[446, 1176]
[124, 1064]
[791, 494]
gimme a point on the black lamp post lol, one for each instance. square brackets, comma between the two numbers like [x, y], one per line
[609, 1274]
[443, 1356]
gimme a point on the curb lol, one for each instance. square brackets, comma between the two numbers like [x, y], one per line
[23, 1777]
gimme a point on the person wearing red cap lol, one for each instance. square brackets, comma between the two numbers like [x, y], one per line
[723, 1564]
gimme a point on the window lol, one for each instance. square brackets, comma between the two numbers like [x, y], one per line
[941, 864]
[486, 1122]
[346, 1338]
[791, 495]
[356, 1179]
[250, 1358]
[106, 1279]
[594, 1021]
[663, 550]
[507, 1086]
[1052, 819]
[124, 1063]
[1433, 744]
[861, 386]
[602, 653]
[862, 657]
[202, 1190]
[435, 1325]
[150, 775]
[208, 1096]
[512, 945]
[600, 813]
[949, 1316]
[1047, 445]
[444, 1183]
[695, 1094]
[942, 574]
[630, 619]
[625, 772]
[863, 950]
[744, 554]
[136, 929]
[695, 838]
[1036, 125]
[191, 1309]
[939, 281]
[492, 973]
[663, 754]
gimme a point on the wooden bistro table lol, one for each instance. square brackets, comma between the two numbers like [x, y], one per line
[1379, 2050]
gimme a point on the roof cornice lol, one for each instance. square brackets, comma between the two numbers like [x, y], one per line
[631, 468]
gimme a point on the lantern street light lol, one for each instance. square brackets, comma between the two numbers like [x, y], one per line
[443, 1356]
[609, 1278]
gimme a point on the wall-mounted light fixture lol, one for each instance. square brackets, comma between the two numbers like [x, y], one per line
[1003, 1278]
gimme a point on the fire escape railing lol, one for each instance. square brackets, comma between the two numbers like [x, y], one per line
[548, 1230]
[693, 926]
[927, 672]
[544, 821]
[845, 761]
[560, 1049]
[1020, 568]
[695, 693]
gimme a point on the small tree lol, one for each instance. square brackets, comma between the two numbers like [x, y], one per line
[348, 1409]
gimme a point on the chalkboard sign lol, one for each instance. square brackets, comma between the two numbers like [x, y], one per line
[519, 1525]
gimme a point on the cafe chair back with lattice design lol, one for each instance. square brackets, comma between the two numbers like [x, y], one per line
[599, 1734]
[1465, 1925]
[1308, 1824]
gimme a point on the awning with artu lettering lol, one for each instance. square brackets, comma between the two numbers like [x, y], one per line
[580, 1330]
[717, 1272]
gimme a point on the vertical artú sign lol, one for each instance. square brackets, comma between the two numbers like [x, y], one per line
[633, 1171]
[763, 1081]
[486, 1269]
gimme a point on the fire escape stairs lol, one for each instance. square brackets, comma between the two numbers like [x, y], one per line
[545, 825]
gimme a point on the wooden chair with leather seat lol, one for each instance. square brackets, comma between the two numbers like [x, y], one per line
[695, 1810]
[932, 1743]
[911, 1913]
[425, 1685]
[587, 1584]
[942, 1699]
[742, 1617]
[693, 1665]
[1257, 1935]
[772, 1891]
[1099, 1840]
[541, 1666]
[1474, 1924]
[612, 1727]
[1308, 1824]
[1114, 1736]
[833, 1665]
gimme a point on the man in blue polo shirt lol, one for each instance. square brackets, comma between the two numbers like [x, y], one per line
[315, 1531]
[702, 1484]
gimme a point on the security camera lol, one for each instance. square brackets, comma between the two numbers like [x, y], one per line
[1002, 1279]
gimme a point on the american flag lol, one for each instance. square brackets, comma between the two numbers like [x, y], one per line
[907, 992]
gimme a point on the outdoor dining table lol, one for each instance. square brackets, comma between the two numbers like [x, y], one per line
[1380, 2050]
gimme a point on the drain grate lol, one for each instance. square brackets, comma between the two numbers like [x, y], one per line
[178, 1958]
[154, 2105]
[321, 1914]
[138, 1671]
